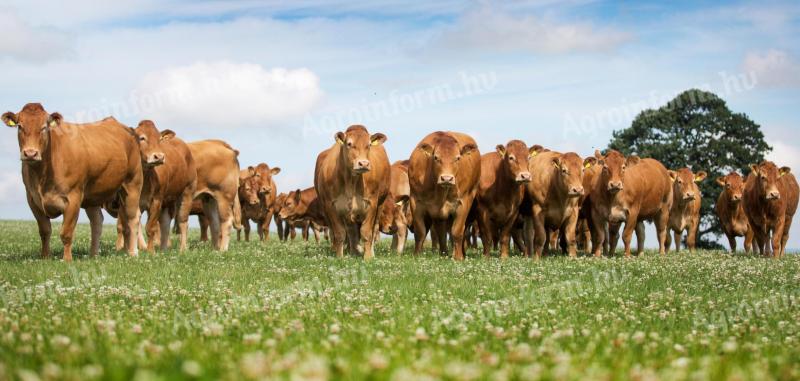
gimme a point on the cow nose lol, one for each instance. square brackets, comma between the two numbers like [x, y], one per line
[736, 197]
[615, 186]
[157, 157]
[30, 153]
[253, 202]
[266, 190]
[689, 196]
[524, 177]
[576, 191]
[447, 179]
[363, 164]
[774, 195]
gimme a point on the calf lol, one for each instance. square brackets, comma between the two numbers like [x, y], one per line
[685, 211]
[352, 180]
[304, 209]
[556, 191]
[218, 187]
[282, 226]
[629, 190]
[444, 174]
[501, 189]
[253, 207]
[731, 212]
[770, 201]
[66, 167]
[267, 191]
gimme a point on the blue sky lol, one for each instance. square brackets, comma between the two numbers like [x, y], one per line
[277, 80]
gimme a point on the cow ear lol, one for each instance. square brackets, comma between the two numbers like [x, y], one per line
[632, 160]
[501, 149]
[297, 196]
[700, 176]
[754, 168]
[468, 148]
[339, 137]
[251, 171]
[535, 150]
[597, 154]
[589, 162]
[601, 162]
[55, 119]
[377, 139]
[401, 200]
[721, 181]
[275, 171]
[784, 170]
[427, 148]
[672, 175]
[557, 162]
[167, 135]
[10, 119]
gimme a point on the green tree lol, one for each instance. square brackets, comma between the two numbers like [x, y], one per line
[696, 130]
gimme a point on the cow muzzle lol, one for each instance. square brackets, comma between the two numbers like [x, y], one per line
[156, 158]
[265, 190]
[523, 178]
[689, 196]
[575, 191]
[447, 180]
[773, 195]
[30, 154]
[362, 166]
[736, 198]
[614, 186]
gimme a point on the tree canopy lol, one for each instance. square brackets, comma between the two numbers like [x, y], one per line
[696, 130]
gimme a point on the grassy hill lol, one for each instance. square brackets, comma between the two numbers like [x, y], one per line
[291, 311]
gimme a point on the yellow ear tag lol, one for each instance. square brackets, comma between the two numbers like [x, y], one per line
[11, 123]
[53, 123]
[375, 142]
[533, 154]
[697, 178]
[556, 165]
[587, 165]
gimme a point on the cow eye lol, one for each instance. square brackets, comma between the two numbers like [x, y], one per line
[512, 158]
[458, 158]
[142, 138]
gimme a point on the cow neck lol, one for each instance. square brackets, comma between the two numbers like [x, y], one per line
[42, 173]
[604, 194]
[350, 181]
[678, 203]
[508, 180]
[556, 188]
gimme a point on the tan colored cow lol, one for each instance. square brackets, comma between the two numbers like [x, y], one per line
[444, 174]
[770, 201]
[304, 209]
[66, 167]
[266, 190]
[556, 191]
[686, 202]
[504, 174]
[731, 213]
[217, 187]
[352, 180]
[629, 190]
[170, 179]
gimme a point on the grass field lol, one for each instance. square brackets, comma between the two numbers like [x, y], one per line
[291, 311]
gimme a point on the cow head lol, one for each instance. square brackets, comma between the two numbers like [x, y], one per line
[682, 181]
[387, 215]
[614, 167]
[515, 155]
[355, 144]
[446, 155]
[263, 175]
[733, 183]
[248, 191]
[292, 205]
[767, 175]
[150, 143]
[569, 172]
[33, 126]
[278, 205]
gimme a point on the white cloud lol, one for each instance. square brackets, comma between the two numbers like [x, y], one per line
[784, 155]
[227, 94]
[21, 41]
[773, 68]
[490, 29]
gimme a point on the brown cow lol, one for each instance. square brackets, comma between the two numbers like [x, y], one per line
[218, 187]
[282, 226]
[401, 192]
[770, 200]
[504, 174]
[555, 191]
[170, 179]
[444, 174]
[265, 189]
[66, 167]
[352, 180]
[685, 212]
[253, 207]
[629, 190]
[731, 212]
[304, 209]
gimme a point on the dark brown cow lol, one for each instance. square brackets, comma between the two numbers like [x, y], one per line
[352, 180]
[444, 174]
[556, 191]
[304, 209]
[504, 174]
[685, 212]
[218, 187]
[66, 167]
[630, 190]
[731, 212]
[770, 201]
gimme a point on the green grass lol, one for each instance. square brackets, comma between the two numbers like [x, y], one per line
[291, 311]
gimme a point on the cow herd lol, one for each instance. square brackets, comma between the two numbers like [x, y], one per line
[534, 197]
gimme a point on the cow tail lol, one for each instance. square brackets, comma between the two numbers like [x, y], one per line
[237, 212]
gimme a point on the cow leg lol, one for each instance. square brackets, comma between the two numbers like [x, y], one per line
[627, 233]
[45, 229]
[505, 236]
[225, 220]
[95, 215]
[732, 241]
[678, 235]
[246, 227]
[777, 237]
[441, 235]
[640, 238]
[613, 237]
[164, 220]
[748, 241]
[120, 233]
[278, 226]
[68, 226]
[354, 239]
[369, 230]
[401, 236]
[205, 224]
[184, 207]
[785, 236]
[598, 227]
[211, 212]
[486, 232]
[517, 238]
[691, 236]
[315, 230]
[540, 235]
[457, 229]
[153, 215]
[569, 231]
[265, 225]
